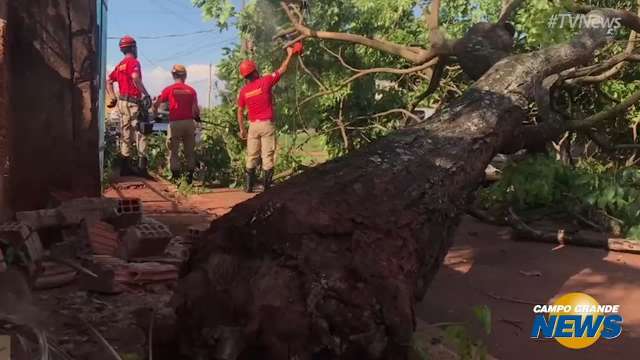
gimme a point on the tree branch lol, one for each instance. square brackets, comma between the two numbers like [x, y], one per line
[362, 73]
[405, 112]
[509, 11]
[311, 74]
[607, 114]
[606, 144]
[415, 55]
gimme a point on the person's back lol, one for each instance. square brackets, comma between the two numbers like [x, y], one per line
[181, 98]
[257, 97]
[183, 115]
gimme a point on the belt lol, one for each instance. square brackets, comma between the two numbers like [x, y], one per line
[130, 99]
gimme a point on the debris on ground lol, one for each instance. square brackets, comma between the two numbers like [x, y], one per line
[118, 246]
[85, 251]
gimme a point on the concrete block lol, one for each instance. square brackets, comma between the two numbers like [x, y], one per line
[21, 236]
[105, 267]
[72, 212]
[179, 249]
[128, 212]
[89, 210]
[39, 219]
[196, 232]
[146, 240]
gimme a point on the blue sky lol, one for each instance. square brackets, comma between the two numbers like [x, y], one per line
[153, 18]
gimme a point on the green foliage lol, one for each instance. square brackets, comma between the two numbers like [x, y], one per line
[468, 346]
[543, 182]
[219, 10]
[109, 156]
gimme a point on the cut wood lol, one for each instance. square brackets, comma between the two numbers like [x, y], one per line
[580, 238]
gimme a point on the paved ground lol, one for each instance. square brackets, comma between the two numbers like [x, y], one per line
[483, 264]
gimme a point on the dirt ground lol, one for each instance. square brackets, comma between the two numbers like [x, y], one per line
[485, 262]
[484, 267]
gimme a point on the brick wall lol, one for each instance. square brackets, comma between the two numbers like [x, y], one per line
[53, 100]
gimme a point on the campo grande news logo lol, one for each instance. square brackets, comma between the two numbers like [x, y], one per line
[577, 321]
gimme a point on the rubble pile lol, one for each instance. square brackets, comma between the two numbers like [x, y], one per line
[104, 245]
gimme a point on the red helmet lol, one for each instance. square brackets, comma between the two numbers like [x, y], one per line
[127, 41]
[247, 67]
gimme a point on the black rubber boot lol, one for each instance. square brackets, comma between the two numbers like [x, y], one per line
[143, 171]
[268, 179]
[125, 166]
[250, 180]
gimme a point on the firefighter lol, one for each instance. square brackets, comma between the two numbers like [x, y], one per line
[257, 98]
[184, 113]
[133, 99]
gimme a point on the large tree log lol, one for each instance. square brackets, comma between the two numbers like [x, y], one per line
[333, 261]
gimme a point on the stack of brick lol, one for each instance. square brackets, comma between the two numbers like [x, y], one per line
[120, 246]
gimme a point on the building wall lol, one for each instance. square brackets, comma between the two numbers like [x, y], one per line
[53, 100]
[4, 113]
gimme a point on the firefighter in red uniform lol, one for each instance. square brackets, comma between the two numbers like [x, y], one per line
[183, 115]
[257, 98]
[132, 99]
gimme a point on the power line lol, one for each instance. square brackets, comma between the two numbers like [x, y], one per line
[195, 49]
[167, 35]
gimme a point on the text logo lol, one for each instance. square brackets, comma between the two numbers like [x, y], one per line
[577, 321]
[581, 21]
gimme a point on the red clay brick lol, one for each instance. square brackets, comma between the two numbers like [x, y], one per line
[54, 275]
[104, 239]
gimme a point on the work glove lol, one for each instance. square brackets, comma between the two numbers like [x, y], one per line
[112, 103]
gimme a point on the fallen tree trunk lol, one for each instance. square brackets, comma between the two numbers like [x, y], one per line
[332, 262]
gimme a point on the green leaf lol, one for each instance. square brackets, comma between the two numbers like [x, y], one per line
[483, 314]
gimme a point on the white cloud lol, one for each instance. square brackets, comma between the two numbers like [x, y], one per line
[158, 78]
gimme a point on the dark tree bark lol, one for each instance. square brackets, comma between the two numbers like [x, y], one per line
[333, 261]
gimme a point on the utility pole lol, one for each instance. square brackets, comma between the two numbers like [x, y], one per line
[210, 84]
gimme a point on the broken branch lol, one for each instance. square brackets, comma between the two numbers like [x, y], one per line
[367, 72]
[414, 54]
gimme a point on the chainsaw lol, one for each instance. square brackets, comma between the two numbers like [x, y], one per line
[144, 123]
